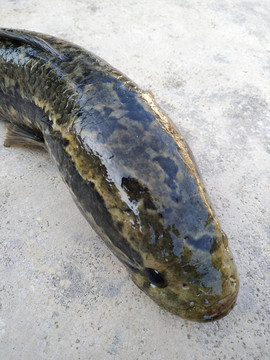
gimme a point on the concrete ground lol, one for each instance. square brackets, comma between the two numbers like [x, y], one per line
[63, 295]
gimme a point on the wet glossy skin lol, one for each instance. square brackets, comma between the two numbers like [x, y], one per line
[127, 167]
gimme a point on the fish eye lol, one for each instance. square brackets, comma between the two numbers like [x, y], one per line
[155, 277]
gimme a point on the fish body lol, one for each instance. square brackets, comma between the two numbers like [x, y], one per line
[128, 169]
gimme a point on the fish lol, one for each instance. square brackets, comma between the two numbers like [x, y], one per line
[128, 169]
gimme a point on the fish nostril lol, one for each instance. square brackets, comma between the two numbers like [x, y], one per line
[224, 239]
[155, 277]
[185, 286]
[233, 281]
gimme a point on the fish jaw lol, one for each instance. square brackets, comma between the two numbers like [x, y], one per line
[220, 309]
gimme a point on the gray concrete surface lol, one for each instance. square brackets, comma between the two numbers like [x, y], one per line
[63, 295]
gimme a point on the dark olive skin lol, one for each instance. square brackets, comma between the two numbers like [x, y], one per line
[127, 167]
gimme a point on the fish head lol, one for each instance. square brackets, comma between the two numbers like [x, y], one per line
[187, 266]
[200, 283]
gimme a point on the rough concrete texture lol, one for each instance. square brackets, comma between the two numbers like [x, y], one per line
[63, 294]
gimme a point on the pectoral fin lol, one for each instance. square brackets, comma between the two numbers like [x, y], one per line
[23, 136]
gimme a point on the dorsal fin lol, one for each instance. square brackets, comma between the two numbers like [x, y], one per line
[34, 41]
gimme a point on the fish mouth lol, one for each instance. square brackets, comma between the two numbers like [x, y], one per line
[206, 313]
[219, 309]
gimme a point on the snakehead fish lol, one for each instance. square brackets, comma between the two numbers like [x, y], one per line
[128, 169]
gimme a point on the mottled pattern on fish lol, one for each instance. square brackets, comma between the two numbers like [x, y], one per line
[128, 169]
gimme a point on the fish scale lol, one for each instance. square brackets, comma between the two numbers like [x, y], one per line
[127, 167]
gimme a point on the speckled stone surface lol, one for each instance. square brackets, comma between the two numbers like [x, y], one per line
[63, 295]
